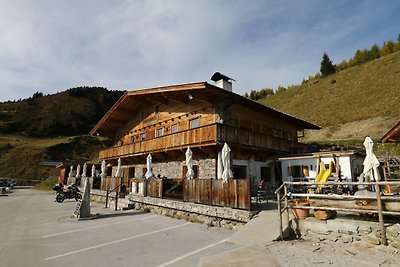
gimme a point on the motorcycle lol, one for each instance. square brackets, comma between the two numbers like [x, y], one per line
[72, 192]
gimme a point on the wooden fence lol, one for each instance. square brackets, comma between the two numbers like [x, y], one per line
[234, 194]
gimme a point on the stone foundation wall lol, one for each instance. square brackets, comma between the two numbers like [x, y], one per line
[174, 169]
[361, 233]
[210, 215]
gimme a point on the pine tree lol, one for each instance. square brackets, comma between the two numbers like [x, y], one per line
[375, 51]
[327, 67]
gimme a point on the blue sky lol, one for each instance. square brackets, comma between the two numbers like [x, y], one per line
[50, 46]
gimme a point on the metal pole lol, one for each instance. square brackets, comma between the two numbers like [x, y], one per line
[116, 200]
[381, 221]
[107, 199]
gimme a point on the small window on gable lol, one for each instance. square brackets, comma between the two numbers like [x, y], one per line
[195, 123]
[142, 137]
[159, 132]
[132, 139]
[174, 128]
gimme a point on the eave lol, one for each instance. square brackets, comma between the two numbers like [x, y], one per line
[393, 135]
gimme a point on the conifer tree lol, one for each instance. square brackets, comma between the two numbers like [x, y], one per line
[327, 67]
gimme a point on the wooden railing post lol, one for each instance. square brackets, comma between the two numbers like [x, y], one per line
[280, 215]
[380, 215]
[285, 191]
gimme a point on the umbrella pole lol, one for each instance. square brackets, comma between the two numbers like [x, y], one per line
[381, 222]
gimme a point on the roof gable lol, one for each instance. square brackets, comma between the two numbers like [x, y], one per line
[134, 101]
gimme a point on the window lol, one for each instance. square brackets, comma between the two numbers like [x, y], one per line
[195, 123]
[159, 132]
[132, 139]
[142, 137]
[174, 128]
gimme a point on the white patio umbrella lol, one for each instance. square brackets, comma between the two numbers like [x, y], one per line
[118, 172]
[103, 169]
[371, 163]
[189, 164]
[148, 163]
[226, 162]
[84, 170]
[220, 166]
[252, 169]
[78, 170]
[93, 171]
[71, 169]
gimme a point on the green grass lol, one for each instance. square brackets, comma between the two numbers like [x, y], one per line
[20, 156]
[367, 95]
[362, 92]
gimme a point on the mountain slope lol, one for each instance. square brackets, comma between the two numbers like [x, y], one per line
[71, 112]
[358, 101]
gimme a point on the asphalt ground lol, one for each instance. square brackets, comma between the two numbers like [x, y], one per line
[37, 231]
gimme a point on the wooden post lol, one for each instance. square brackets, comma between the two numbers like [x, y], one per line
[285, 191]
[280, 215]
[381, 221]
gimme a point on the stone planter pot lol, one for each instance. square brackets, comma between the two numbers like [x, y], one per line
[298, 213]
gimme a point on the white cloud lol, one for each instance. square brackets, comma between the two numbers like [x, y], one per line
[50, 46]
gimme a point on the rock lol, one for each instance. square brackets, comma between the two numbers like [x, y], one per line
[346, 239]
[342, 226]
[394, 227]
[372, 239]
[395, 244]
[393, 231]
[364, 229]
[388, 249]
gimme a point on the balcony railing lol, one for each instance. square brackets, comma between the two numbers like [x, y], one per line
[209, 134]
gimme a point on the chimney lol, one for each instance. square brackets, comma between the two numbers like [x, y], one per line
[222, 81]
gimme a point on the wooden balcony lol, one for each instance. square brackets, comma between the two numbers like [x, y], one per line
[192, 137]
[201, 136]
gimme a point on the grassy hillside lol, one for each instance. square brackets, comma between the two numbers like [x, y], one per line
[20, 156]
[358, 101]
[72, 112]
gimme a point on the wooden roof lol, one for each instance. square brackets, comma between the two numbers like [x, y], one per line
[393, 135]
[135, 101]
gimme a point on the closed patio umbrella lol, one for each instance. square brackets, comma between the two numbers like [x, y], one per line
[78, 170]
[371, 163]
[189, 164]
[118, 172]
[71, 169]
[84, 170]
[220, 166]
[93, 171]
[226, 162]
[103, 169]
[148, 163]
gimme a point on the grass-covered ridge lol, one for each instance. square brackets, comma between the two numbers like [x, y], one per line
[365, 93]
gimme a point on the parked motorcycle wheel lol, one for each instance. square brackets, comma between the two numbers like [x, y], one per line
[78, 196]
[59, 198]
